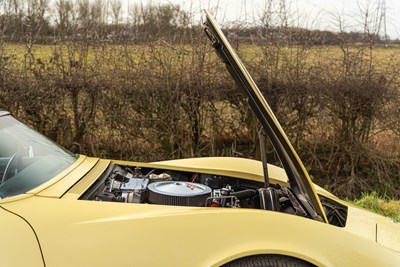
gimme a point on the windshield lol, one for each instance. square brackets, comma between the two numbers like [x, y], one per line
[27, 158]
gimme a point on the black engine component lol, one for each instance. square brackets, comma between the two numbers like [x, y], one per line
[269, 199]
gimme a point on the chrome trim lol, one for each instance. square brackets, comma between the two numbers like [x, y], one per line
[4, 113]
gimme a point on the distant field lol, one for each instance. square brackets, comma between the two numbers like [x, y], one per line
[320, 53]
[382, 54]
[40, 51]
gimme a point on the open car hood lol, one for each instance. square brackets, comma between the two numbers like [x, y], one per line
[298, 177]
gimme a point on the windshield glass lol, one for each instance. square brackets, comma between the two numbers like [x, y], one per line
[27, 158]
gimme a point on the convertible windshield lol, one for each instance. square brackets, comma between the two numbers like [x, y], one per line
[27, 158]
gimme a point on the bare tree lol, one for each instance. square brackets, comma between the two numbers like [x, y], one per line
[116, 11]
[65, 18]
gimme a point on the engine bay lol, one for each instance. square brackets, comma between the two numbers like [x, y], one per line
[138, 185]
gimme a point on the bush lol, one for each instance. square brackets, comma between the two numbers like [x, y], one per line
[381, 205]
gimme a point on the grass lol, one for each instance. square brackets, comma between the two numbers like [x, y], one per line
[384, 206]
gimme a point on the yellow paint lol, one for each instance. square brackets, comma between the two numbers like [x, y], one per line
[18, 246]
[91, 233]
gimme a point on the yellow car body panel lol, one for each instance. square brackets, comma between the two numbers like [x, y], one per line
[385, 236]
[92, 175]
[21, 249]
[91, 233]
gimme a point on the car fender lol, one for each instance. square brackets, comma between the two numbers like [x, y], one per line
[95, 233]
[19, 245]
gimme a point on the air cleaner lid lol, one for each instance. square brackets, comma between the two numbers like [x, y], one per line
[177, 188]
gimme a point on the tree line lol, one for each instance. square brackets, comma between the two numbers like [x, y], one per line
[107, 20]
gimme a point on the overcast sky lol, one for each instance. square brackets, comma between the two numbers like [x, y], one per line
[320, 14]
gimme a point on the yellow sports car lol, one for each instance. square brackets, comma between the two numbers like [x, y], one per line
[59, 209]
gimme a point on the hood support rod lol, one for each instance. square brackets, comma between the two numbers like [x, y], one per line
[261, 134]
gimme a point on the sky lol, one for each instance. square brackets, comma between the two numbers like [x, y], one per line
[316, 14]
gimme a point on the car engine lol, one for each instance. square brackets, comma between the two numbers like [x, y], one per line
[168, 187]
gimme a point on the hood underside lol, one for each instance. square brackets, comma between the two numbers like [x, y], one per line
[299, 179]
